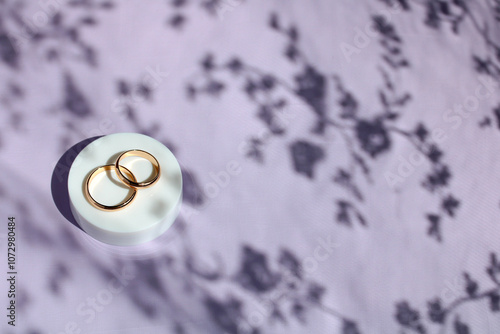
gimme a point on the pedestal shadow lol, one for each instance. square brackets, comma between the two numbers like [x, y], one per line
[59, 182]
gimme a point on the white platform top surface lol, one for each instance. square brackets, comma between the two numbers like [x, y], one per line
[150, 206]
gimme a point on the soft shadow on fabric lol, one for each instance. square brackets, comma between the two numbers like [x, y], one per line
[59, 182]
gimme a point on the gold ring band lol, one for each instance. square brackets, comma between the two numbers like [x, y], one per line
[100, 206]
[132, 182]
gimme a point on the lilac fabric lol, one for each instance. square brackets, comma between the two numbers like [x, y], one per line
[339, 162]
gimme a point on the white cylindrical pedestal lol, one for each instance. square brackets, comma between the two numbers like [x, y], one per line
[153, 210]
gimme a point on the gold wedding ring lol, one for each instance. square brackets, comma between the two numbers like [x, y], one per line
[132, 182]
[125, 176]
[98, 205]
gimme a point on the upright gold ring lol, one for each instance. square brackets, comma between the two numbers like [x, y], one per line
[101, 206]
[132, 182]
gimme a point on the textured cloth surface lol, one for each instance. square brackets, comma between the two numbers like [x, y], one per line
[339, 159]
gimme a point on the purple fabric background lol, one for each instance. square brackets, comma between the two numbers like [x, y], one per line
[364, 136]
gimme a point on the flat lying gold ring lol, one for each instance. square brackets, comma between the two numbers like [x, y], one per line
[98, 205]
[133, 183]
